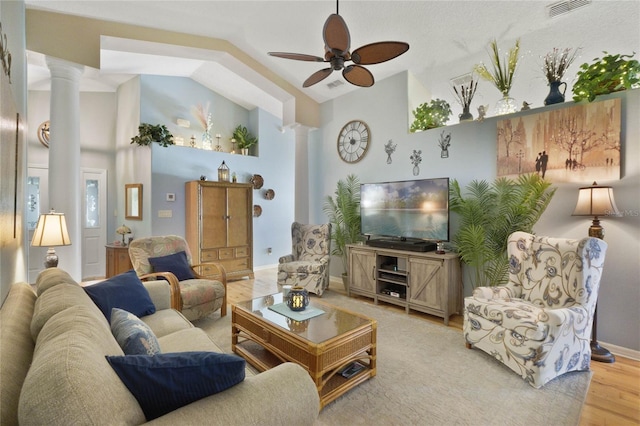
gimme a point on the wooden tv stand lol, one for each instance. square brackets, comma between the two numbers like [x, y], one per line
[422, 281]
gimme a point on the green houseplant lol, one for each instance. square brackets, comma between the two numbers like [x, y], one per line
[244, 139]
[343, 211]
[430, 115]
[489, 213]
[148, 133]
[612, 73]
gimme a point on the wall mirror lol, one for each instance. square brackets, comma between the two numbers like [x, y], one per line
[133, 201]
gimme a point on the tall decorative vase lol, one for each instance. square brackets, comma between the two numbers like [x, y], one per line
[556, 96]
[506, 105]
[416, 170]
[207, 140]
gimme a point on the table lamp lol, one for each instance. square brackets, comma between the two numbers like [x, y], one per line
[123, 230]
[51, 231]
[596, 200]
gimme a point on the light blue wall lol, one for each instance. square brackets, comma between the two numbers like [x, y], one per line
[164, 100]
[472, 155]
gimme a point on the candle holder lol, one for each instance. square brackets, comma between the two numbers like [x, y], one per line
[218, 146]
[298, 299]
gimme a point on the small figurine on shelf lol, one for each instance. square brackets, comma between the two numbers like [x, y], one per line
[482, 112]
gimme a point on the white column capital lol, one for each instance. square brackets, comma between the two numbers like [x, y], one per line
[64, 69]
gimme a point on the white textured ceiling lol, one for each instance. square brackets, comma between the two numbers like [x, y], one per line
[441, 34]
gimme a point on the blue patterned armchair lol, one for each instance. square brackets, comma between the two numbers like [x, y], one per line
[308, 265]
[539, 323]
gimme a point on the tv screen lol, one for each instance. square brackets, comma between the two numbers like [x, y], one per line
[409, 209]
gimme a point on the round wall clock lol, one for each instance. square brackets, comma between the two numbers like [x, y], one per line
[353, 141]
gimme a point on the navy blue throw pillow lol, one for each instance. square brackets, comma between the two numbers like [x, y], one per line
[175, 263]
[124, 291]
[165, 382]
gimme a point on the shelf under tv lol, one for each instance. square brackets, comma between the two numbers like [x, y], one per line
[401, 244]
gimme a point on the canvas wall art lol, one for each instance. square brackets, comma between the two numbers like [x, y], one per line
[576, 144]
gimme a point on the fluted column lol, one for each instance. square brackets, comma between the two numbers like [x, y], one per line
[64, 158]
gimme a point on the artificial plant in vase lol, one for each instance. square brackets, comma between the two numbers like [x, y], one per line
[343, 211]
[464, 95]
[244, 139]
[555, 64]
[148, 133]
[430, 115]
[501, 75]
[489, 213]
[612, 73]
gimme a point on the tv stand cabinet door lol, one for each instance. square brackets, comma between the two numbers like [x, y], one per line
[427, 287]
[362, 272]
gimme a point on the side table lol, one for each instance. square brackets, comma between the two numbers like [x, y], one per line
[118, 260]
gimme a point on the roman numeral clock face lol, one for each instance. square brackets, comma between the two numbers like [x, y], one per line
[353, 141]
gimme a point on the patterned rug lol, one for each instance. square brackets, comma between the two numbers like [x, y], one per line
[426, 376]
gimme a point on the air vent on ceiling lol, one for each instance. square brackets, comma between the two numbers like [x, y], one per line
[562, 7]
[461, 79]
[335, 84]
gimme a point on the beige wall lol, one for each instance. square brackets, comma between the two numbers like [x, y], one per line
[77, 39]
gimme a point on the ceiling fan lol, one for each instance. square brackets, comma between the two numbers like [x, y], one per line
[337, 43]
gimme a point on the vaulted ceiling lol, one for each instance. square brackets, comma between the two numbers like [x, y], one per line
[449, 36]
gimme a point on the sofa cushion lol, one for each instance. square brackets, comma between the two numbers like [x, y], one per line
[175, 263]
[165, 382]
[134, 336]
[124, 291]
[57, 299]
[16, 348]
[70, 381]
[52, 277]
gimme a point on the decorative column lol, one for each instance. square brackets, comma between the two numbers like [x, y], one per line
[64, 158]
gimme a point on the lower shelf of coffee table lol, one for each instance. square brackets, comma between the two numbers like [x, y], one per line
[335, 386]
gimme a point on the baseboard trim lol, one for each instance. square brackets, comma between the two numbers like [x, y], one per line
[260, 268]
[619, 350]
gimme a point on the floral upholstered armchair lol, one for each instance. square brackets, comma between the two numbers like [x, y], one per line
[308, 265]
[539, 323]
[197, 290]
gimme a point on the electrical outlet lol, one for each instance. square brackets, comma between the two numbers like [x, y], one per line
[165, 213]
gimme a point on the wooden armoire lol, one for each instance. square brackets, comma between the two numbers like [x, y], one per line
[219, 225]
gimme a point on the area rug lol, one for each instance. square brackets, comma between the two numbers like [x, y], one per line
[426, 376]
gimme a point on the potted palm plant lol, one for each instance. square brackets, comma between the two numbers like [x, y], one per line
[343, 210]
[489, 213]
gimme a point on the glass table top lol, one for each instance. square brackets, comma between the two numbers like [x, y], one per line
[333, 322]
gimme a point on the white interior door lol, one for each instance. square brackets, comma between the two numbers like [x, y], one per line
[94, 223]
[37, 202]
[94, 219]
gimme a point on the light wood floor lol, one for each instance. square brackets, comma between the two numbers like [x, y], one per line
[614, 393]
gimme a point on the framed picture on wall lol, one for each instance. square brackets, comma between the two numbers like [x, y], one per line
[575, 144]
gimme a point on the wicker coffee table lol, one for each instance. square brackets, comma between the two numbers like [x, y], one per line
[324, 345]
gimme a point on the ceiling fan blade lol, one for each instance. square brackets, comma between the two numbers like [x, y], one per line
[297, 56]
[376, 53]
[336, 34]
[317, 77]
[360, 76]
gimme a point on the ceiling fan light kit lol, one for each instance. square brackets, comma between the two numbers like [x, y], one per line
[337, 44]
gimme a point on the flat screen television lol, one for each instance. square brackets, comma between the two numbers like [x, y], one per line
[413, 209]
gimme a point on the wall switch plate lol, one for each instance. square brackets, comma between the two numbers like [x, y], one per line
[165, 213]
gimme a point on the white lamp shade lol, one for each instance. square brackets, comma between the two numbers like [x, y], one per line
[596, 201]
[51, 231]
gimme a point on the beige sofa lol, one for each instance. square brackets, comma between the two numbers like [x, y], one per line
[64, 378]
